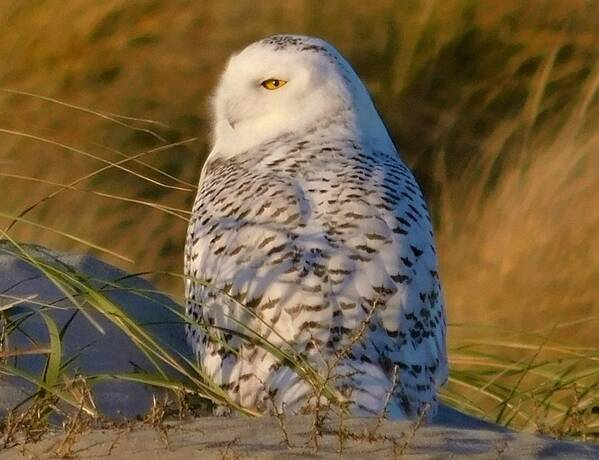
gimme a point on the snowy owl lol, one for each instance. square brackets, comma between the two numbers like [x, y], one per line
[310, 231]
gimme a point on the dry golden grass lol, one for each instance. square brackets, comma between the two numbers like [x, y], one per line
[493, 104]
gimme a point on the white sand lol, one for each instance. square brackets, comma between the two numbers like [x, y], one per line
[231, 438]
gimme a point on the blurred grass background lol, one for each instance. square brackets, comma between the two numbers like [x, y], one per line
[493, 104]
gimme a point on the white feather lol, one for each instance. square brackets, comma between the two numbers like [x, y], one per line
[307, 215]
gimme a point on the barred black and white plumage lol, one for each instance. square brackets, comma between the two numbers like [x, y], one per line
[306, 214]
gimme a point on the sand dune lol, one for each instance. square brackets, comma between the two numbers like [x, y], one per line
[452, 434]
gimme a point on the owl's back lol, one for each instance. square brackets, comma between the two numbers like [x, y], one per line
[324, 245]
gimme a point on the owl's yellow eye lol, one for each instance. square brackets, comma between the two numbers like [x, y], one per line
[273, 83]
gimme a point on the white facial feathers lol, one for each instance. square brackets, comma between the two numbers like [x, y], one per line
[321, 88]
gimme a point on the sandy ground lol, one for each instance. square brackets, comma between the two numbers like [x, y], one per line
[238, 438]
[87, 350]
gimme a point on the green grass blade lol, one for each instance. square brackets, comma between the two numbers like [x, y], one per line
[52, 369]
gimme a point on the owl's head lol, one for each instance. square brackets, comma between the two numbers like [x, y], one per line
[290, 84]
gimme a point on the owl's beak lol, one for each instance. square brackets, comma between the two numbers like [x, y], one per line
[232, 121]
